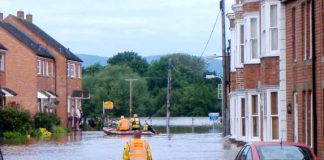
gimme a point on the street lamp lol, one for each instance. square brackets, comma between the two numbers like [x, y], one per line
[130, 95]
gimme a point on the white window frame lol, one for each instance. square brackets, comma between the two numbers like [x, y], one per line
[241, 118]
[72, 72]
[68, 69]
[47, 69]
[263, 39]
[271, 28]
[255, 138]
[68, 101]
[39, 67]
[269, 116]
[239, 58]
[2, 61]
[305, 31]
[249, 59]
[295, 105]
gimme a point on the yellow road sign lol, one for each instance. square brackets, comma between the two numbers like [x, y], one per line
[108, 105]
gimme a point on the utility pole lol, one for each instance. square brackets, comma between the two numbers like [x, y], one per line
[130, 95]
[168, 97]
[224, 84]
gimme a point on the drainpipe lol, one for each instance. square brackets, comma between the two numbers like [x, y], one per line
[314, 75]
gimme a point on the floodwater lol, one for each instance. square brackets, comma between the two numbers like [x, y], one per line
[194, 143]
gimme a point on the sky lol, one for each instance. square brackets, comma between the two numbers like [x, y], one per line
[106, 27]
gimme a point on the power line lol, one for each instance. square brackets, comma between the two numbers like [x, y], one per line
[211, 34]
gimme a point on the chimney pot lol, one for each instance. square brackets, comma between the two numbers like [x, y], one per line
[29, 18]
[1, 17]
[20, 14]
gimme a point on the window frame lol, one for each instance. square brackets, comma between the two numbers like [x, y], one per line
[272, 28]
[68, 69]
[47, 69]
[250, 59]
[72, 72]
[2, 62]
[39, 67]
[256, 115]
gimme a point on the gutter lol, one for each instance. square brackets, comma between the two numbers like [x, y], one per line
[314, 76]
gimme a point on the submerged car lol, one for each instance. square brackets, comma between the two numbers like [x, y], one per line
[275, 151]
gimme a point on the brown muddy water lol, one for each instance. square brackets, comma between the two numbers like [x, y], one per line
[192, 143]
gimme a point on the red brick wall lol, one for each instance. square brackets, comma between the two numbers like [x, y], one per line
[2, 77]
[233, 81]
[299, 74]
[269, 71]
[21, 74]
[251, 75]
[251, 7]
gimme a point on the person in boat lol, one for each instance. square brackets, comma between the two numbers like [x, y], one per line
[137, 148]
[123, 124]
[147, 127]
[135, 122]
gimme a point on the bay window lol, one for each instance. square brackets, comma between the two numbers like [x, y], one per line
[254, 50]
[255, 116]
[241, 44]
[39, 67]
[72, 72]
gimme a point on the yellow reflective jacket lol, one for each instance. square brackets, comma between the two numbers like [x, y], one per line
[136, 124]
[123, 125]
[137, 149]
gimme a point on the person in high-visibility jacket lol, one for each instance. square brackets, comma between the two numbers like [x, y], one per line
[123, 124]
[135, 122]
[137, 149]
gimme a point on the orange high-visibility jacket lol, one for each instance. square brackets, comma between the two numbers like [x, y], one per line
[137, 149]
[123, 125]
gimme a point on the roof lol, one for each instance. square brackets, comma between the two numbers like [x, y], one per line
[36, 48]
[3, 47]
[49, 40]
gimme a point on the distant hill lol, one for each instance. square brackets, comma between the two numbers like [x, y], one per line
[89, 60]
[214, 65]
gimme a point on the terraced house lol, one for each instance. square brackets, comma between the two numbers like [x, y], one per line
[276, 71]
[258, 71]
[44, 75]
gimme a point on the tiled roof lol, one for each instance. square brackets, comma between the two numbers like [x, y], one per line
[38, 49]
[3, 47]
[51, 41]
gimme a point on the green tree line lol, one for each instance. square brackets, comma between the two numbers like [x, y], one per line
[191, 93]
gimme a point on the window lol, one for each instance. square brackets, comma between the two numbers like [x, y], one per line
[306, 21]
[72, 72]
[274, 115]
[274, 27]
[1, 62]
[79, 71]
[294, 36]
[243, 117]
[308, 118]
[52, 64]
[254, 38]
[295, 100]
[68, 69]
[68, 104]
[39, 67]
[241, 49]
[255, 116]
[47, 69]
[244, 154]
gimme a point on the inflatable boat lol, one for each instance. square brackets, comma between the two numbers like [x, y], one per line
[113, 131]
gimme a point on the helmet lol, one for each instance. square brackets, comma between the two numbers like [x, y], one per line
[122, 117]
[135, 115]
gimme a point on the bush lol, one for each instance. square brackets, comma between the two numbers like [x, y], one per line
[58, 130]
[14, 136]
[35, 133]
[15, 119]
[46, 120]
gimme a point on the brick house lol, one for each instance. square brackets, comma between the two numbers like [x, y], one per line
[305, 81]
[258, 73]
[57, 78]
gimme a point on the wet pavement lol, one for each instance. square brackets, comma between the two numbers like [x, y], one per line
[204, 143]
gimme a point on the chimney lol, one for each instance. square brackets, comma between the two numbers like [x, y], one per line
[1, 17]
[20, 14]
[29, 18]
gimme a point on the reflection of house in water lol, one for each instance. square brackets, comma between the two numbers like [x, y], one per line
[36, 71]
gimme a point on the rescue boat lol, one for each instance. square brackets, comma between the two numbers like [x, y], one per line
[113, 131]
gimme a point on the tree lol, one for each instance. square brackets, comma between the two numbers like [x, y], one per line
[130, 59]
[110, 84]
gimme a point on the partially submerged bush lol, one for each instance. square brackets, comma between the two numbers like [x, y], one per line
[58, 130]
[14, 137]
[15, 119]
[46, 120]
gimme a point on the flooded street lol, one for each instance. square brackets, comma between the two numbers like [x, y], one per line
[205, 143]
